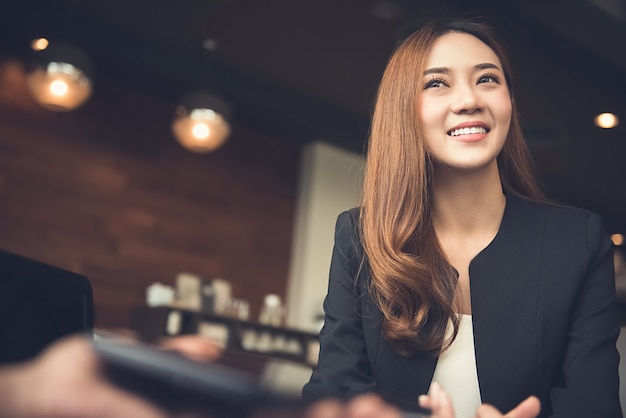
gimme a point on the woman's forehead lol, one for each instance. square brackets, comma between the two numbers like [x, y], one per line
[455, 50]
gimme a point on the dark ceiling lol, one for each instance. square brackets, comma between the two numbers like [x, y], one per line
[308, 69]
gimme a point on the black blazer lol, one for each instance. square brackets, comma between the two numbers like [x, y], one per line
[543, 312]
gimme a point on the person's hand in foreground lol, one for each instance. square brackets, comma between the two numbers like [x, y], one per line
[195, 347]
[65, 382]
[440, 405]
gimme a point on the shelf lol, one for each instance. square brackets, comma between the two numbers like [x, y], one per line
[252, 338]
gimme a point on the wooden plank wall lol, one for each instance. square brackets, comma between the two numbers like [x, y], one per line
[106, 191]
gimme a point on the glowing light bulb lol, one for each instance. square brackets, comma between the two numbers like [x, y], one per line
[59, 88]
[606, 120]
[39, 44]
[200, 131]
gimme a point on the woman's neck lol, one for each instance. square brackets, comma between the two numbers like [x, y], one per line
[467, 202]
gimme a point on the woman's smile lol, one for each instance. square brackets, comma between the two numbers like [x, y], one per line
[469, 132]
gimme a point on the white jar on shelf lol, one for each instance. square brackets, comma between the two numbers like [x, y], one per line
[272, 311]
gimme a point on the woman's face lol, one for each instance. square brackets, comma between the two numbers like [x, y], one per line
[465, 106]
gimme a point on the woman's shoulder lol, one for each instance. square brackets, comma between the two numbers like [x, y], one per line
[348, 224]
[554, 209]
[351, 215]
[559, 217]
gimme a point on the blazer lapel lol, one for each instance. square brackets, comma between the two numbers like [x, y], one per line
[504, 283]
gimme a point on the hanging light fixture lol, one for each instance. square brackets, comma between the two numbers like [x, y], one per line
[61, 77]
[201, 122]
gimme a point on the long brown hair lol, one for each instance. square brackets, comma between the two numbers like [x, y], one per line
[411, 279]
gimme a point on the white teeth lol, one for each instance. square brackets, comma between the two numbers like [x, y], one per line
[467, 131]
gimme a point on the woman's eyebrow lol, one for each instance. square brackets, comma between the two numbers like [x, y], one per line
[477, 67]
[437, 70]
[486, 65]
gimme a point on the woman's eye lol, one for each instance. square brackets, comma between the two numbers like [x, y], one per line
[434, 83]
[488, 78]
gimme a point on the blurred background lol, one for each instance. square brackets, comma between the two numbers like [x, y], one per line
[109, 175]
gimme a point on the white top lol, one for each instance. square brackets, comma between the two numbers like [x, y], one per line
[456, 370]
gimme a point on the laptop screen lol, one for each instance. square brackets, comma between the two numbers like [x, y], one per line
[39, 304]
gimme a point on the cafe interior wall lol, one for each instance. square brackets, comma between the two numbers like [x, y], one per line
[107, 192]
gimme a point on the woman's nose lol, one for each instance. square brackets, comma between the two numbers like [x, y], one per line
[465, 100]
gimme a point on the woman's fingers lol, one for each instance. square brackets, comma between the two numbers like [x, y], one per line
[440, 406]
[529, 408]
[438, 401]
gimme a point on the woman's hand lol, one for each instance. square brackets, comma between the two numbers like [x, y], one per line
[364, 406]
[440, 405]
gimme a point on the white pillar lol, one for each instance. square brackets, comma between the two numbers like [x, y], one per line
[330, 182]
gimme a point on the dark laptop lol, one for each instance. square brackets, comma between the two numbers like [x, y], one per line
[39, 304]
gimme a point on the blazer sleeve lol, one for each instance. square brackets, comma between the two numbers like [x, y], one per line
[343, 367]
[590, 363]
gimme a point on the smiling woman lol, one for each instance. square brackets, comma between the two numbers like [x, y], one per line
[454, 271]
